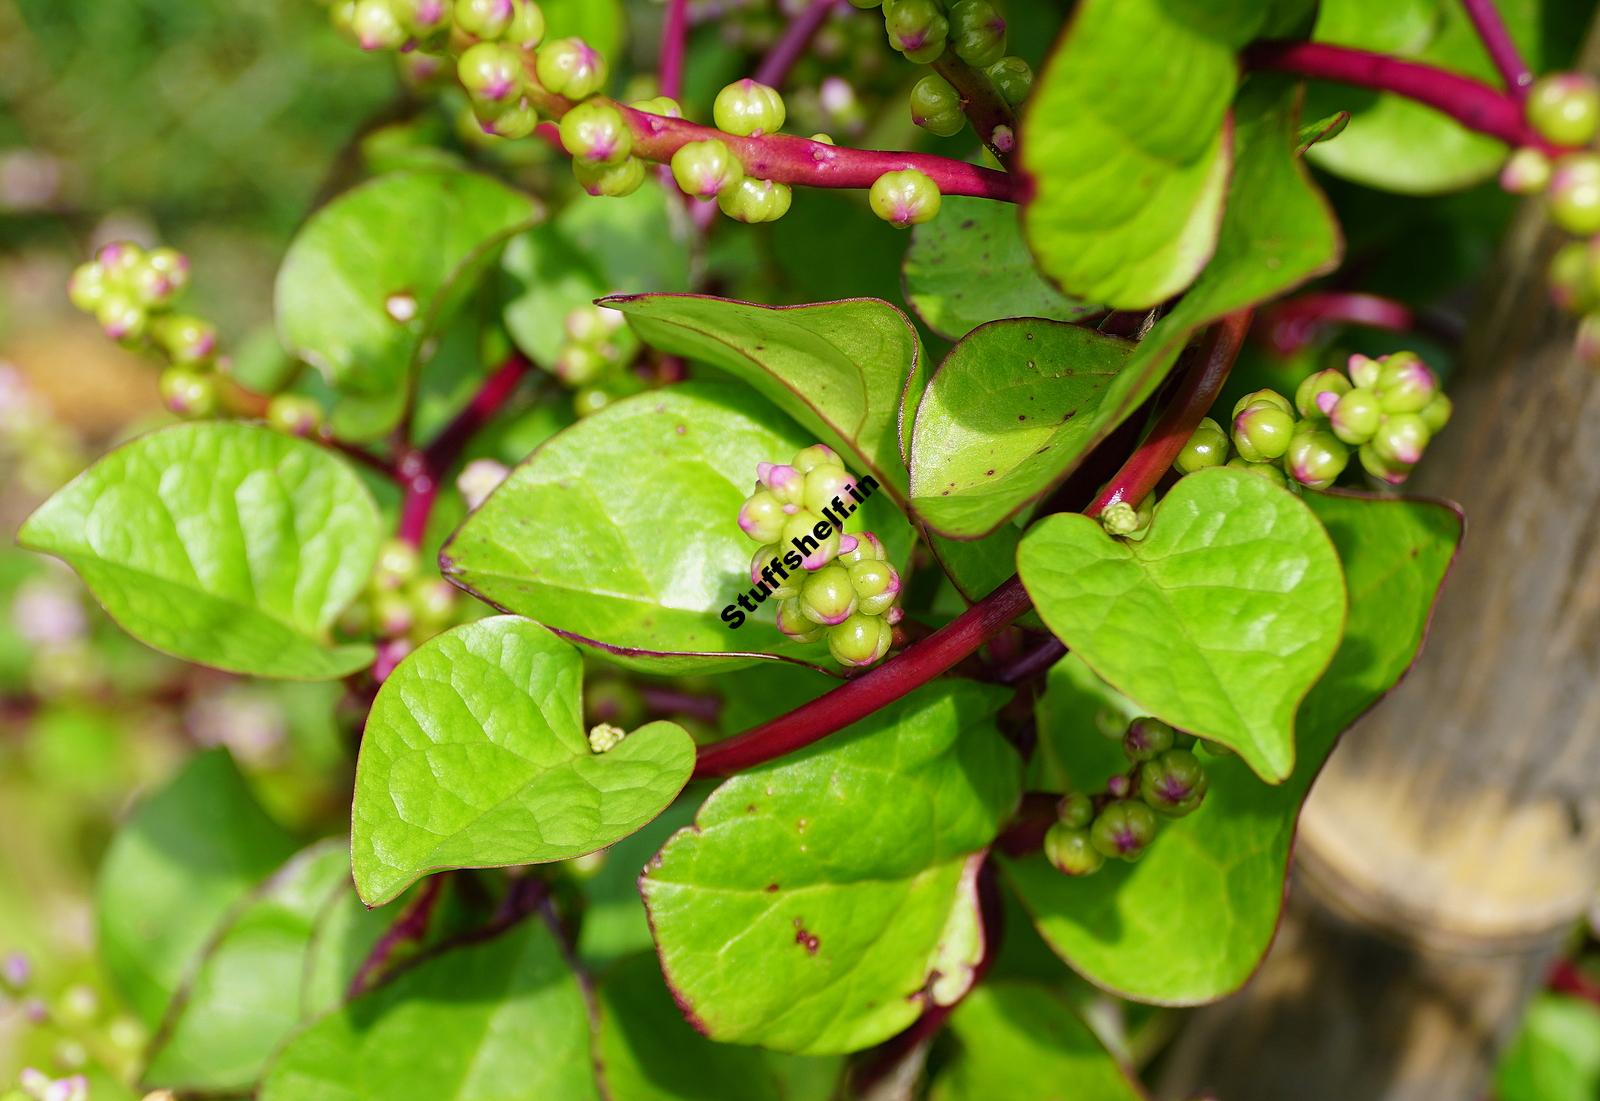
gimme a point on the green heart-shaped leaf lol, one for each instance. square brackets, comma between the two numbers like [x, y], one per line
[490, 1022]
[843, 876]
[1130, 928]
[1010, 411]
[622, 533]
[1219, 621]
[970, 265]
[229, 545]
[838, 368]
[475, 756]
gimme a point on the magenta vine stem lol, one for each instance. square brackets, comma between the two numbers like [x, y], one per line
[1295, 322]
[922, 661]
[1473, 104]
[674, 36]
[420, 472]
[411, 926]
[1502, 50]
[793, 43]
[991, 116]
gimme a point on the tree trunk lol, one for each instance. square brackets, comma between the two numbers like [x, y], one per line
[1454, 838]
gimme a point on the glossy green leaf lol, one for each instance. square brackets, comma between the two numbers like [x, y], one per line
[496, 1021]
[1395, 143]
[229, 545]
[1009, 412]
[344, 936]
[1219, 621]
[594, 247]
[246, 996]
[1022, 1039]
[811, 904]
[838, 368]
[475, 755]
[970, 265]
[1126, 140]
[1131, 928]
[614, 923]
[375, 273]
[188, 854]
[1556, 1053]
[622, 532]
[1277, 233]
[648, 1052]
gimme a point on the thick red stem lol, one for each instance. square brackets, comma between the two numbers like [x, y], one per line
[1502, 50]
[1293, 323]
[794, 42]
[674, 35]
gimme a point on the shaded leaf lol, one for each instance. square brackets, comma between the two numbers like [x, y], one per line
[1556, 1053]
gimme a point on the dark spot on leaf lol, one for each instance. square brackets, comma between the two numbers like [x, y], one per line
[680, 430]
[1022, 416]
[750, 809]
[810, 940]
[771, 888]
[969, 223]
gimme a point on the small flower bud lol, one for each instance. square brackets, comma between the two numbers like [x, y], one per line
[917, 28]
[1146, 739]
[433, 602]
[1258, 397]
[825, 484]
[876, 584]
[1436, 414]
[121, 317]
[762, 517]
[1571, 277]
[762, 561]
[1356, 416]
[863, 546]
[977, 32]
[1261, 432]
[486, 19]
[392, 615]
[1123, 830]
[802, 527]
[1575, 194]
[87, 286]
[1564, 108]
[1071, 850]
[905, 198]
[423, 18]
[1075, 810]
[595, 132]
[527, 25]
[1206, 448]
[751, 200]
[749, 108]
[705, 169]
[1401, 438]
[1269, 471]
[294, 414]
[391, 652]
[1328, 381]
[398, 562]
[491, 73]
[786, 483]
[827, 597]
[1174, 783]
[808, 459]
[15, 972]
[1526, 172]
[1316, 457]
[511, 123]
[1013, 79]
[605, 737]
[187, 340]
[188, 393]
[1405, 385]
[1391, 473]
[936, 106]
[860, 640]
[1363, 370]
[1123, 519]
[614, 181]
[665, 106]
[792, 621]
[570, 67]
[376, 25]
[479, 478]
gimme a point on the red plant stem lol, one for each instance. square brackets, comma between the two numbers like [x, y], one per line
[1567, 977]
[1032, 663]
[1293, 323]
[1502, 50]
[1473, 104]
[421, 472]
[991, 116]
[922, 661]
[1139, 475]
[670, 701]
[794, 160]
[674, 34]
[794, 42]
[410, 927]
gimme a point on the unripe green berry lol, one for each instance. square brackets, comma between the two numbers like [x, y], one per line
[527, 25]
[936, 106]
[1126, 520]
[792, 621]
[596, 133]
[423, 18]
[1146, 739]
[665, 106]
[752, 200]
[1436, 414]
[1316, 457]
[748, 108]
[121, 261]
[1207, 447]
[1391, 472]
[705, 169]
[802, 526]
[1356, 416]
[863, 546]
[87, 286]
[491, 72]
[1363, 370]
[808, 459]
[188, 393]
[786, 483]
[917, 28]
[377, 26]
[580, 364]
[434, 601]
[612, 180]
[1571, 277]
[905, 198]
[1270, 471]
[1261, 433]
[1526, 172]
[977, 32]
[860, 640]
[172, 269]
[392, 615]
[827, 596]
[398, 562]
[1564, 108]
[1575, 194]
[1013, 79]
[570, 67]
[1257, 397]
[1401, 438]
[1123, 830]
[1405, 385]
[186, 340]
[512, 123]
[1308, 397]
[1174, 783]
[1071, 850]
[294, 414]
[780, 588]
[484, 18]
[824, 484]
[121, 317]
[1075, 810]
[762, 517]
[876, 584]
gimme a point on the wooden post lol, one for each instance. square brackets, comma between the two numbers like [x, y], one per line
[1454, 837]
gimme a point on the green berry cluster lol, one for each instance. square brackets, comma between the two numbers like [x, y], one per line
[1385, 410]
[594, 359]
[1167, 780]
[905, 198]
[835, 586]
[401, 604]
[710, 169]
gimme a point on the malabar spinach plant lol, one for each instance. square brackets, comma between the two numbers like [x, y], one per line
[826, 668]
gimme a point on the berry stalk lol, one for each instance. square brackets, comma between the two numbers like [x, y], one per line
[1502, 50]
[991, 116]
[794, 42]
[1473, 104]
[674, 36]
[1292, 324]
